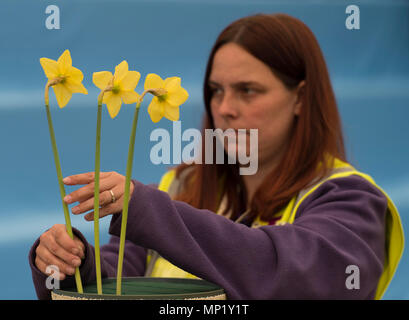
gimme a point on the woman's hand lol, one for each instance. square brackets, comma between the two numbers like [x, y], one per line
[111, 188]
[57, 248]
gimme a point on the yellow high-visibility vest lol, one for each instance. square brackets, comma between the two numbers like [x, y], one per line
[394, 237]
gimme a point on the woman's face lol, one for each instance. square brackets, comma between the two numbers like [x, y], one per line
[247, 95]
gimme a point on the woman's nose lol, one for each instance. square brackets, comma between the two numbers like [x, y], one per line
[228, 107]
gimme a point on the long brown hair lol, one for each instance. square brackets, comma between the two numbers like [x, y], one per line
[289, 48]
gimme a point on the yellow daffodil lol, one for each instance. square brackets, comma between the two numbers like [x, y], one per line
[118, 87]
[66, 80]
[169, 95]
[63, 77]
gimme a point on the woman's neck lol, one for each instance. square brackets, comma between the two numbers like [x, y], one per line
[252, 182]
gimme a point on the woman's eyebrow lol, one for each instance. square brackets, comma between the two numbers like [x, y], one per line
[241, 84]
[238, 84]
[213, 83]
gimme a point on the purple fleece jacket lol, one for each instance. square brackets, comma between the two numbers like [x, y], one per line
[341, 223]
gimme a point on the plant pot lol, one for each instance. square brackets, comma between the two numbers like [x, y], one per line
[145, 288]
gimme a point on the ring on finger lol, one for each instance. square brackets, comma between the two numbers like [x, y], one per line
[113, 199]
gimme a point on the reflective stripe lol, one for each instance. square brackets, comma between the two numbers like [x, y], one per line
[164, 269]
[166, 180]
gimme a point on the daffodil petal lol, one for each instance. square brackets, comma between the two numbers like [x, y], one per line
[63, 94]
[129, 97]
[172, 83]
[171, 113]
[177, 97]
[155, 110]
[121, 71]
[64, 62]
[130, 80]
[113, 102]
[153, 81]
[75, 87]
[50, 67]
[107, 96]
[101, 79]
[76, 74]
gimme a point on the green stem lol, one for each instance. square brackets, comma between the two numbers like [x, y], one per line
[62, 191]
[126, 199]
[96, 201]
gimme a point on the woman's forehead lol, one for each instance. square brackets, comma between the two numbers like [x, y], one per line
[231, 63]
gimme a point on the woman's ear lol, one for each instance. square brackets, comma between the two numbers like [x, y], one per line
[299, 91]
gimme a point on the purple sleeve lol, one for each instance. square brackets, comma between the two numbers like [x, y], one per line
[338, 225]
[134, 264]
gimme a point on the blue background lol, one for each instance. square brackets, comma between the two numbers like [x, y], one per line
[369, 69]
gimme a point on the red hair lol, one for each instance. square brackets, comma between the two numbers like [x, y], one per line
[289, 48]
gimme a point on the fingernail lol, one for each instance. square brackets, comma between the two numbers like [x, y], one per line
[76, 262]
[70, 270]
[75, 251]
[75, 210]
[66, 180]
[68, 199]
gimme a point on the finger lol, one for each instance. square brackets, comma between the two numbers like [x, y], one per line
[87, 192]
[80, 194]
[110, 208]
[105, 198]
[113, 207]
[61, 238]
[60, 253]
[50, 259]
[84, 178]
[105, 211]
[43, 267]
[81, 246]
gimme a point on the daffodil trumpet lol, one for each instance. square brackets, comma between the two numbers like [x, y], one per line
[168, 96]
[65, 80]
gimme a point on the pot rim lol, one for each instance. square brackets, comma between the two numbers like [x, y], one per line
[213, 290]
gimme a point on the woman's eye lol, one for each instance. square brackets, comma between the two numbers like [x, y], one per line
[248, 91]
[215, 91]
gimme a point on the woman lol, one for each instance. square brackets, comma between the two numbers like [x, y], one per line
[291, 230]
